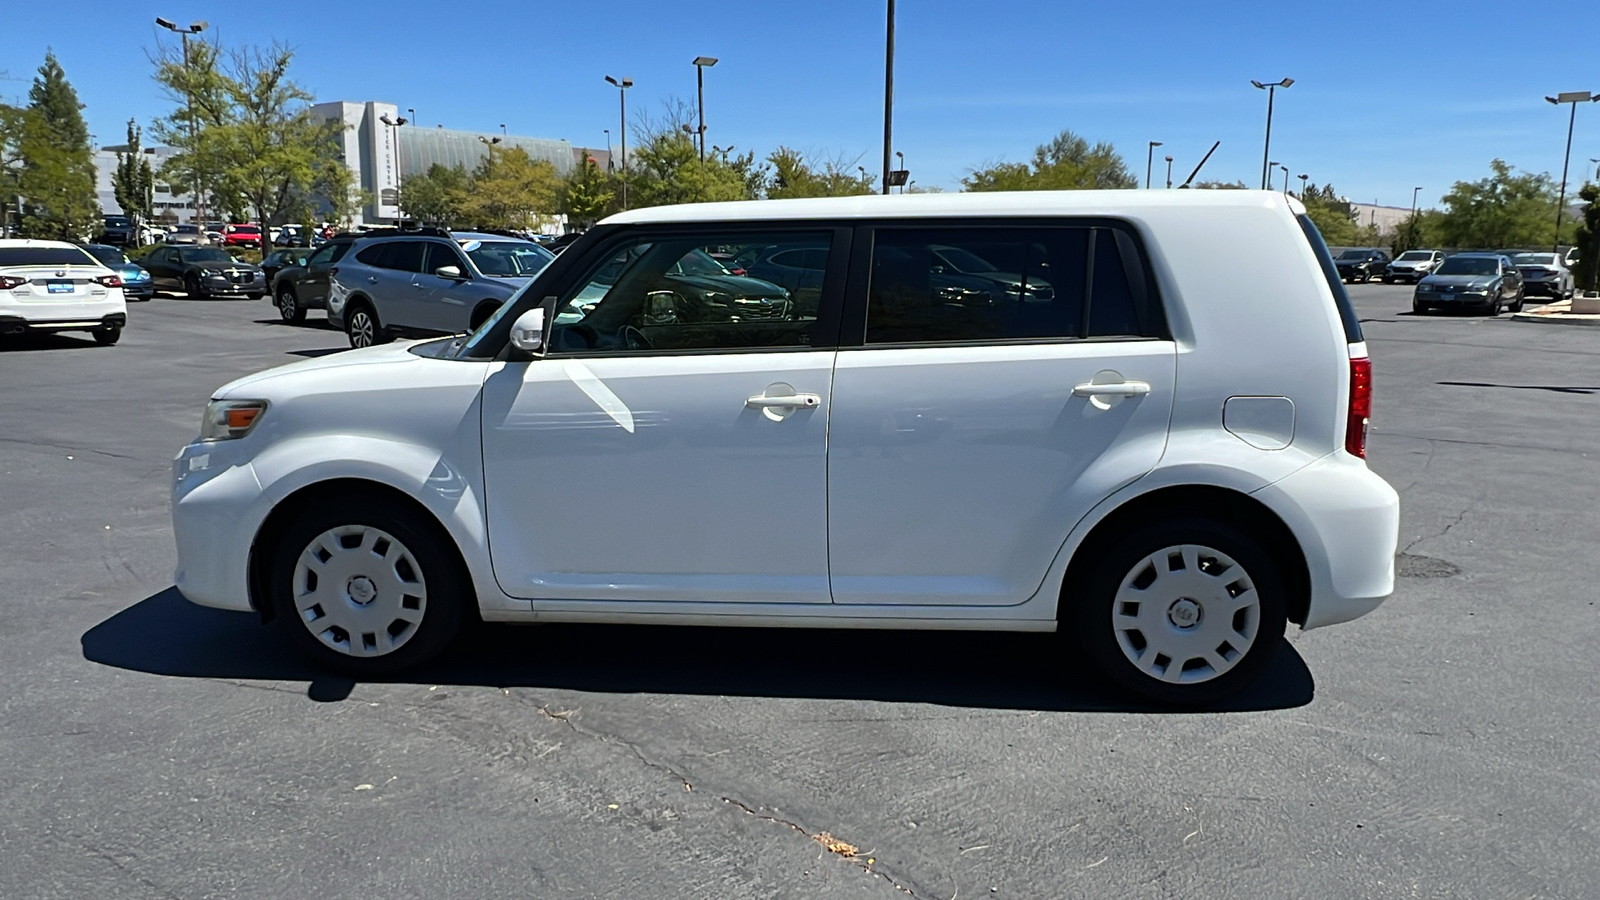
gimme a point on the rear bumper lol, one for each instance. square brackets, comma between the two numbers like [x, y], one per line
[1347, 521]
[18, 325]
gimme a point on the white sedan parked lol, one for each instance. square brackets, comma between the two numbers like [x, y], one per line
[48, 286]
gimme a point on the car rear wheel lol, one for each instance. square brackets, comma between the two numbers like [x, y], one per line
[1516, 304]
[289, 306]
[367, 586]
[361, 326]
[1181, 611]
[105, 337]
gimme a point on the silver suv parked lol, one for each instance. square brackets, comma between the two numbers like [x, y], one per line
[426, 282]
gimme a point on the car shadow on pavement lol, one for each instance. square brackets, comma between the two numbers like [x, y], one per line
[16, 343]
[318, 352]
[166, 635]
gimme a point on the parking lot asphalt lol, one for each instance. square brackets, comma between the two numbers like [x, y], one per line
[1441, 747]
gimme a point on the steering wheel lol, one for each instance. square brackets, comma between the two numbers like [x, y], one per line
[634, 339]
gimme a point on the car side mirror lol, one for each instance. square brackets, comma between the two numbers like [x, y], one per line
[661, 308]
[527, 332]
[448, 272]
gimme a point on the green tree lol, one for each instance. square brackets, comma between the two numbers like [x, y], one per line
[201, 96]
[667, 169]
[510, 189]
[1586, 238]
[133, 181]
[1506, 209]
[1067, 163]
[587, 196]
[793, 177]
[437, 196]
[1423, 232]
[13, 127]
[1333, 217]
[341, 198]
[57, 175]
[1220, 186]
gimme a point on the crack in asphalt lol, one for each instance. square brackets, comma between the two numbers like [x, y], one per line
[27, 443]
[1428, 537]
[102, 854]
[860, 861]
[822, 838]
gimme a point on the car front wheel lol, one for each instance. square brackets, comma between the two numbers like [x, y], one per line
[367, 586]
[1181, 611]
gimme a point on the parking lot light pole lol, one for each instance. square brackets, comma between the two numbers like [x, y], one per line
[701, 63]
[888, 98]
[1414, 192]
[1303, 177]
[399, 174]
[622, 98]
[1285, 180]
[1169, 173]
[1266, 149]
[1574, 98]
[1270, 166]
[1149, 156]
[188, 100]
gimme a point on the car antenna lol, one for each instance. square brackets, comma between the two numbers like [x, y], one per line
[1197, 168]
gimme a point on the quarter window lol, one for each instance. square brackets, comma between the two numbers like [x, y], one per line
[667, 293]
[985, 284]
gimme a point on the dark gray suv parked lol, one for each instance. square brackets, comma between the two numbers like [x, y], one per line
[417, 283]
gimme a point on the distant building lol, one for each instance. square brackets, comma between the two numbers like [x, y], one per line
[1386, 218]
[379, 156]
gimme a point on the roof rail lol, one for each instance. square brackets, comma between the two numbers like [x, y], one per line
[394, 232]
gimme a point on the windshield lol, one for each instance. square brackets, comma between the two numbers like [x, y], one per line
[1534, 259]
[186, 229]
[206, 255]
[1355, 254]
[1469, 265]
[111, 256]
[698, 262]
[508, 259]
[1410, 255]
[117, 220]
[964, 260]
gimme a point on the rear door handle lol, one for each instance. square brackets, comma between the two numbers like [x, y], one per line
[793, 401]
[1114, 389]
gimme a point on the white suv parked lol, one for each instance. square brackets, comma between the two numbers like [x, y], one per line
[51, 286]
[1088, 425]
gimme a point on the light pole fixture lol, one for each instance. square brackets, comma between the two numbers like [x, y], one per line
[1266, 149]
[399, 174]
[188, 101]
[1285, 180]
[902, 179]
[1574, 98]
[1149, 157]
[622, 99]
[701, 63]
[1270, 166]
[413, 114]
[611, 164]
[1414, 192]
[488, 141]
[888, 95]
[1303, 177]
[1169, 173]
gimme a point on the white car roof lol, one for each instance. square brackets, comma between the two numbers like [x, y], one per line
[997, 203]
[30, 242]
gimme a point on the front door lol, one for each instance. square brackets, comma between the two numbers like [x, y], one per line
[658, 452]
[444, 303]
[987, 410]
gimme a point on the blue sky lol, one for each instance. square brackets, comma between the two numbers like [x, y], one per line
[1386, 96]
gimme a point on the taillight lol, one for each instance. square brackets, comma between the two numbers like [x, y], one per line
[1355, 429]
[7, 282]
[109, 280]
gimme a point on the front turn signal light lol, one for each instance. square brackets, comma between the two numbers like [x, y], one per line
[227, 420]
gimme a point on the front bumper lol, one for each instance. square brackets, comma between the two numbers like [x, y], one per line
[1347, 521]
[1454, 298]
[211, 288]
[217, 508]
[138, 290]
[1407, 275]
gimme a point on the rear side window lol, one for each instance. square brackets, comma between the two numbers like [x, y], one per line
[956, 285]
[403, 256]
[1330, 273]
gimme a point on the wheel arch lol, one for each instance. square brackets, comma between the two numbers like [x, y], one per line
[338, 490]
[483, 310]
[1227, 504]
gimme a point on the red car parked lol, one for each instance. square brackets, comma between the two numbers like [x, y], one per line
[241, 236]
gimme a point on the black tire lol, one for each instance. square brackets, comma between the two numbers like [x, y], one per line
[1495, 306]
[191, 286]
[362, 327]
[1092, 608]
[1516, 305]
[1388, 280]
[1365, 277]
[1418, 308]
[420, 626]
[105, 337]
[256, 295]
[289, 307]
[484, 311]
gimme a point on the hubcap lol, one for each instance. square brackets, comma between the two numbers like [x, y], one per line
[359, 591]
[286, 304]
[1186, 614]
[361, 329]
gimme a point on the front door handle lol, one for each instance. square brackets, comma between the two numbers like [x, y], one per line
[1113, 389]
[793, 401]
[371, 280]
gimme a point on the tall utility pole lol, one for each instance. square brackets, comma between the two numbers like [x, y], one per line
[1266, 150]
[622, 97]
[1149, 157]
[1169, 173]
[888, 98]
[1414, 192]
[700, 65]
[1285, 180]
[399, 175]
[1574, 98]
[188, 102]
[1270, 166]
[1303, 177]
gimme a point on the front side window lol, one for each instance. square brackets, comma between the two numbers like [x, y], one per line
[109, 256]
[667, 293]
[986, 284]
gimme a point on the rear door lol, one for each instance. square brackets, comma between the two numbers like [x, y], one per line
[977, 420]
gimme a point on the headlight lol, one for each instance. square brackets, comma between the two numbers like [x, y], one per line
[226, 420]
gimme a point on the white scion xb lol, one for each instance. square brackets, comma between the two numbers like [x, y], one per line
[1029, 412]
[51, 286]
